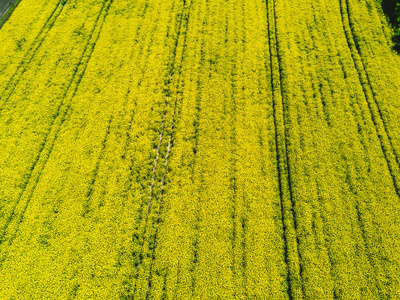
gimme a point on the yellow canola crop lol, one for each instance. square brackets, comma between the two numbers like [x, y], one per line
[199, 149]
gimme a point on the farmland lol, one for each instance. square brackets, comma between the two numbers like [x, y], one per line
[199, 149]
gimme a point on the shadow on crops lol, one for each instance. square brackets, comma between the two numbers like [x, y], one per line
[392, 10]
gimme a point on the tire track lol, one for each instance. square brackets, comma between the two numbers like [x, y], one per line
[328, 120]
[89, 193]
[352, 186]
[157, 157]
[148, 204]
[355, 109]
[196, 125]
[49, 141]
[245, 201]
[381, 131]
[131, 172]
[389, 152]
[155, 237]
[130, 123]
[126, 294]
[185, 24]
[292, 255]
[30, 54]
[236, 218]
[110, 121]
[371, 276]
[142, 12]
[243, 223]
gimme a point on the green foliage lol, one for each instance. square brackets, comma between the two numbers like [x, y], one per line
[20, 43]
[392, 10]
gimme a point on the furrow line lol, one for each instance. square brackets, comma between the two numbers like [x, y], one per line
[130, 123]
[236, 214]
[196, 125]
[132, 115]
[243, 223]
[51, 136]
[292, 255]
[364, 241]
[86, 205]
[245, 202]
[386, 145]
[389, 152]
[329, 121]
[237, 218]
[30, 54]
[195, 244]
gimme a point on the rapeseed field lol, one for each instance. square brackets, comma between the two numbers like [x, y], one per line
[199, 149]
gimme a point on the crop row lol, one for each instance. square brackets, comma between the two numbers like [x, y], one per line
[221, 234]
[75, 185]
[37, 153]
[339, 172]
